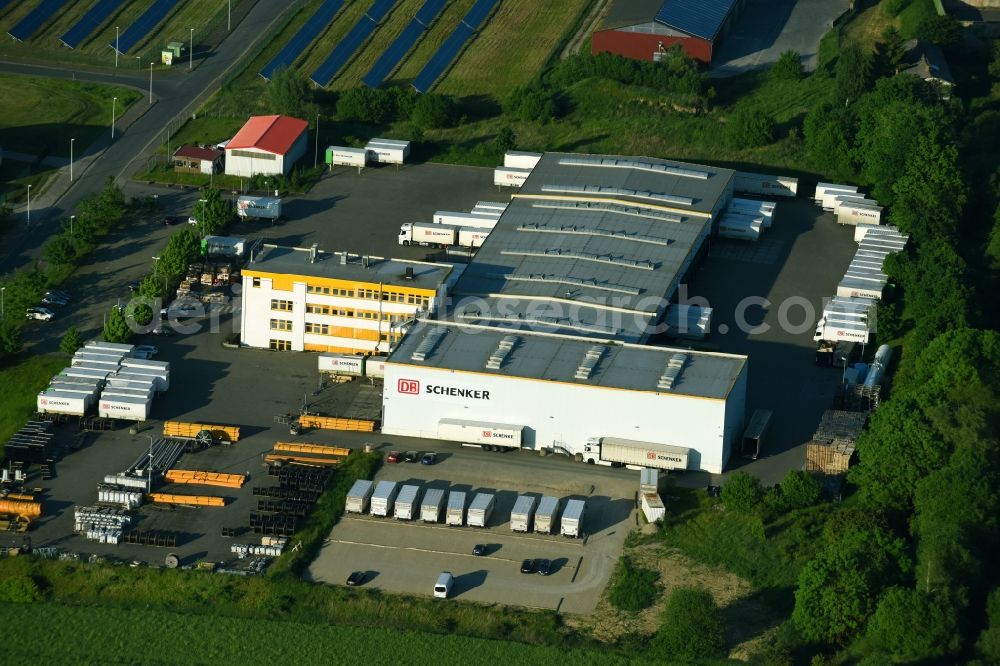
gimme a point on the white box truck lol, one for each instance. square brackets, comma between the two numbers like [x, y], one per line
[359, 496]
[441, 235]
[407, 503]
[124, 407]
[481, 509]
[510, 176]
[456, 508]
[571, 524]
[523, 513]
[383, 497]
[432, 505]
[258, 208]
[547, 515]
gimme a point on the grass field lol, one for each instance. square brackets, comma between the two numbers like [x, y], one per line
[22, 378]
[202, 15]
[56, 633]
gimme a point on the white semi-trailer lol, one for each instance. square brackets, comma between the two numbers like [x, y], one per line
[617, 451]
[388, 151]
[441, 235]
[111, 346]
[652, 506]
[510, 176]
[258, 208]
[60, 402]
[481, 509]
[571, 524]
[407, 503]
[547, 515]
[432, 505]
[456, 508]
[346, 156]
[124, 407]
[359, 496]
[455, 219]
[766, 184]
[499, 206]
[491, 436]
[522, 513]
[383, 497]
[519, 159]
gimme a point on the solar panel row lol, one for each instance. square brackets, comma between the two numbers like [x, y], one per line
[391, 57]
[30, 24]
[303, 38]
[3, 4]
[138, 30]
[94, 17]
[447, 52]
[343, 51]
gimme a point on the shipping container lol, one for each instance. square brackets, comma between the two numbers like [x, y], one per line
[58, 402]
[521, 160]
[123, 407]
[383, 497]
[432, 505]
[388, 151]
[456, 508]
[652, 506]
[407, 503]
[643, 454]
[345, 156]
[571, 524]
[765, 184]
[481, 509]
[523, 513]
[456, 219]
[489, 435]
[260, 208]
[510, 176]
[359, 496]
[547, 515]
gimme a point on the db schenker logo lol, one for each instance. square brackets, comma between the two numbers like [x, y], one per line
[650, 455]
[410, 386]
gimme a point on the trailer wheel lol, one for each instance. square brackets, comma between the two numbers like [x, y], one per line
[406, 243]
[590, 461]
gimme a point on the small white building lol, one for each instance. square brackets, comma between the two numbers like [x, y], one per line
[268, 145]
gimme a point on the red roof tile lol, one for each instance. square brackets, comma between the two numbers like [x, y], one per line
[274, 134]
[196, 153]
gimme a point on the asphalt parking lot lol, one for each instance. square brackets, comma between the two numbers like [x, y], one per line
[399, 556]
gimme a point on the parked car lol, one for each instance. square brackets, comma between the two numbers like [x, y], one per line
[191, 220]
[169, 220]
[163, 331]
[64, 295]
[528, 566]
[393, 457]
[356, 578]
[429, 458]
[133, 286]
[411, 456]
[50, 299]
[544, 567]
[39, 313]
[150, 350]
[479, 549]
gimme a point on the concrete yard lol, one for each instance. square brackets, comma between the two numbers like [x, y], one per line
[406, 557]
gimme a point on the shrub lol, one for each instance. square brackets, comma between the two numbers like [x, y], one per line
[749, 128]
[788, 66]
[530, 103]
[742, 492]
[800, 489]
[635, 587]
[912, 626]
[431, 111]
[376, 105]
[71, 341]
[894, 7]
[692, 627]
[940, 30]
[19, 589]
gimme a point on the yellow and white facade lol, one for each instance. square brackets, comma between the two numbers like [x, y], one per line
[301, 299]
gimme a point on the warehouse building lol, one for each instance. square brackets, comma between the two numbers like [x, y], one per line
[542, 348]
[559, 392]
[645, 29]
[594, 245]
[303, 299]
[266, 145]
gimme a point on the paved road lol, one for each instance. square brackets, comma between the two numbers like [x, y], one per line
[174, 97]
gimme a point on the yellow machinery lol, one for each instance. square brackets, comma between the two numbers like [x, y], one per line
[197, 478]
[335, 423]
[21, 509]
[14, 524]
[281, 458]
[187, 500]
[185, 430]
[27, 497]
[305, 447]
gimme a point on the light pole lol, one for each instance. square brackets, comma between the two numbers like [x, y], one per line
[29, 205]
[138, 62]
[150, 82]
[191, 52]
[229, 16]
[116, 47]
[71, 141]
[149, 469]
[114, 104]
[2, 289]
[316, 152]
[71, 218]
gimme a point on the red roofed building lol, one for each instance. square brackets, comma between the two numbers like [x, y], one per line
[195, 159]
[266, 145]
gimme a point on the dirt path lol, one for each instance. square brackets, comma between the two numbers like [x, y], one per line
[593, 18]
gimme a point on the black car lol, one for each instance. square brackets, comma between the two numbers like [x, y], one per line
[528, 566]
[356, 578]
[479, 549]
[169, 220]
[133, 286]
[544, 567]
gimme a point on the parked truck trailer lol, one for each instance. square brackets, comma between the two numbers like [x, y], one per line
[481, 509]
[523, 513]
[407, 503]
[359, 496]
[547, 515]
[432, 505]
[383, 498]
[571, 524]
[441, 235]
[456, 508]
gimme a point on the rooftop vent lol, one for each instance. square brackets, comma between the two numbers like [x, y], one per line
[589, 362]
[313, 251]
[427, 345]
[672, 372]
[503, 350]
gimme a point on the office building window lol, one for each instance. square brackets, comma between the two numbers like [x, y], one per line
[281, 345]
[284, 306]
[281, 325]
[256, 282]
[321, 329]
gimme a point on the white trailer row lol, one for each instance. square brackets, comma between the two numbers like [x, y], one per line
[754, 208]
[377, 151]
[738, 226]
[441, 235]
[765, 184]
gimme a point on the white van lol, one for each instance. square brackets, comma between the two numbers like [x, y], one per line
[442, 588]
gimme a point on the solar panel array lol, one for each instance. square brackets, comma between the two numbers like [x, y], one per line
[343, 51]
[138, 30]
[3, 4]
[451, 46]
[402, 45]
[303, 38]
[94, 17]
[27, 26]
